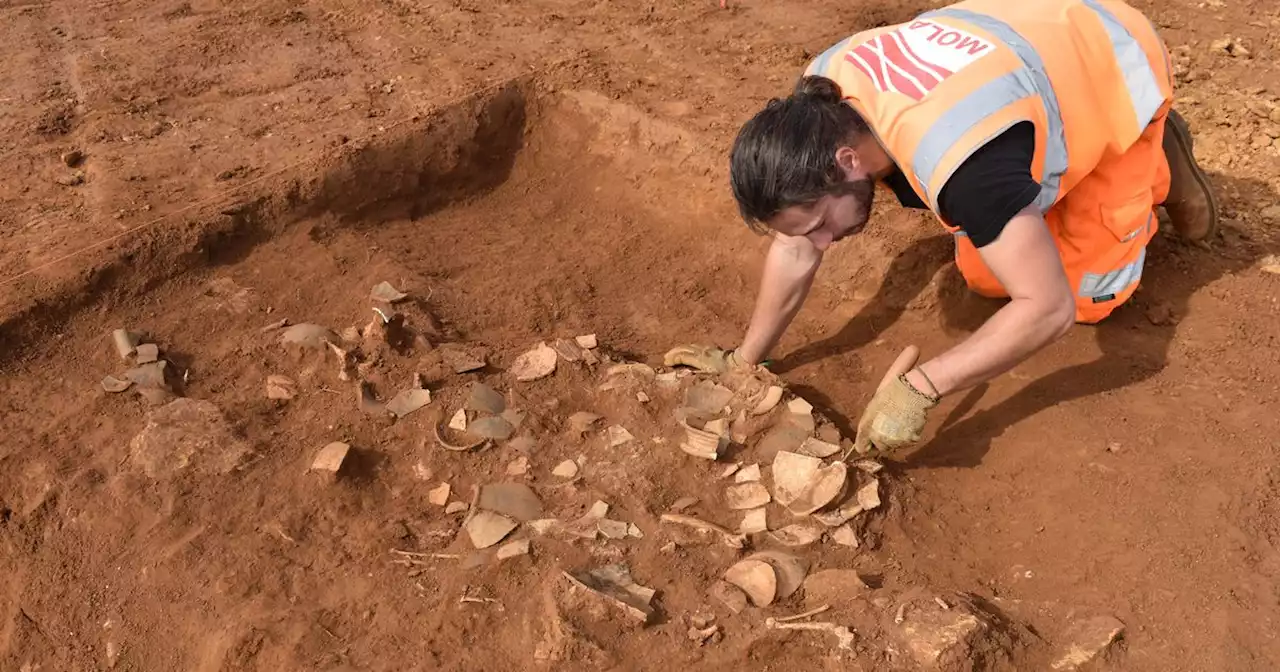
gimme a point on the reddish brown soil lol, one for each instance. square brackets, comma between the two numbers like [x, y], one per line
[529, 171]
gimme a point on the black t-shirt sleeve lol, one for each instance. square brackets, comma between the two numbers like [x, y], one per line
[992, 185]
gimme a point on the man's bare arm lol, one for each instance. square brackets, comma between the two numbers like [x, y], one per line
[789, 269]
[1041, 310]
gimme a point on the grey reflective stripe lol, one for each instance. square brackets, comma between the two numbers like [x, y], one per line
[981, 103]
[821, 62]
[1102, 285]
[1055, 158]
[1139, 78]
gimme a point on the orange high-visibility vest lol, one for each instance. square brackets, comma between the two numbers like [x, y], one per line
[1090, 75]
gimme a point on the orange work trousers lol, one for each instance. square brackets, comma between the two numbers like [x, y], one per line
[1101, 228]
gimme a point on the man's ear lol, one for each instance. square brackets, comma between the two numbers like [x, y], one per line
[847, 159]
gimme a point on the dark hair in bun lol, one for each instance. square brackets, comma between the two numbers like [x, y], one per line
[785, 154]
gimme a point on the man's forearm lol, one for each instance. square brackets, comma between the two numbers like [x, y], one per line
[788, 274]
[1014, 333]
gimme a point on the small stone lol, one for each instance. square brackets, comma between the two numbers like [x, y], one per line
[186, 431]
[634, 531]
[518, 466]
[642, 397]
[514, 549]
[587, 341]
[331, 457]
[456, 507]
[940, 638]
[147, 353]
[309, 335]
[459, 421]
[618, 435]
[71, 180]
[799, 406]
[281, 387]
[439, 495]
[1087, 641]
[566, 469]
[869, 495]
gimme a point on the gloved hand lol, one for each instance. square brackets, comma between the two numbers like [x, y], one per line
[895, 417]
[706, 358]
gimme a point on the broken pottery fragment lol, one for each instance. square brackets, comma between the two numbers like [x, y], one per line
[598, 510]
[491, 427]
[771, 398]
[439, 495]
[486, 528]
[748, 474]
[281, 387]
[869, 466]
[756, 578]
[148, 375]
[568, 350]
[125, 341]
[845, 536]
[582, 421]
[461, 361]
[147, 353]
[799, 406]
[729, 595]
[683, 503]
[408, 401]
[456, 507]
[539, 362]
[115, 385]
[707, 398]
[458, 422]
[783, 437]
[799, 534]
[793, 474]
[513, 549]
[383, 291]
[566, 469]
[587, 341]
[331, 457]
[618, 435]
[702, 441]
[746, 496]
[790, 570]
[818, 448]
[1087, 641]
[869, 495]
[309, 335]
[515, 500]
[155, 396]
[613, 529]
[518, 466]
[755, 521]
[827, 483]
[614, 582]
[485, 399]
[634, 531]
[730, 470]
[729, 538]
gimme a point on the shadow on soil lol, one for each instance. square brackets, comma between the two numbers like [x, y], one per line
[1135, 340]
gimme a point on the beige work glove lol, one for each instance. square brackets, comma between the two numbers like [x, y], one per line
[706, 358]
[895, 417]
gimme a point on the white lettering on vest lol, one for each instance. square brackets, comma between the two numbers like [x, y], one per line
[943, 47]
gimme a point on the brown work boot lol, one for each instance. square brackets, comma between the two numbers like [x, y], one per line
[1191, 204]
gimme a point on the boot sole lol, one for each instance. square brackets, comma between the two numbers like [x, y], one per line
[1182, 136]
